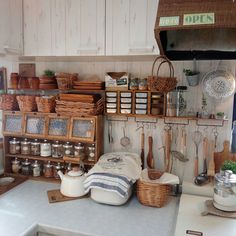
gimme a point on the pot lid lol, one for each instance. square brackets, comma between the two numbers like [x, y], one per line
[75, 172]
[14, 141]
[226, 177]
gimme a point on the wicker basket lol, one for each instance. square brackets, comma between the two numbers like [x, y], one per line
[27, 103]
[160, 83]
[46, 104]
[150, 194]
[8, 102]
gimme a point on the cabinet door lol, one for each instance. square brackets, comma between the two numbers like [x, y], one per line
[11, 26]
[85, 27]
[130, 27]
[37, 28]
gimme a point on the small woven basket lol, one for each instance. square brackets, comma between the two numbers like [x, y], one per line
[8, 102]
[46, 104]
[152, 194]
[160, 83]
[27, 103]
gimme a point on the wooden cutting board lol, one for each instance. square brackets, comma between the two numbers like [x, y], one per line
[225, 155]
[56, 196]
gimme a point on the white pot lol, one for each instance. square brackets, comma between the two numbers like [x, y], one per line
[72, 183]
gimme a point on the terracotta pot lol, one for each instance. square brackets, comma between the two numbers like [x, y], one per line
[14, 80]
[34, 82]
[23, 83]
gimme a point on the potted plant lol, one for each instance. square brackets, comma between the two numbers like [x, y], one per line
[229, 165]
[48, 80]
[192, 77]
[220, 115]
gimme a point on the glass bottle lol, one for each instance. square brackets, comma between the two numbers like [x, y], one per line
[48, 170]
[79, 150]
[25, 168]
[36, 169]
[14, 146]
[233, 138]
[57, 150]
[35, 148]
[15, 165]
[91, 152]
[25, 147]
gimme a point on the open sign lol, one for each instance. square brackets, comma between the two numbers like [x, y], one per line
[199, 19]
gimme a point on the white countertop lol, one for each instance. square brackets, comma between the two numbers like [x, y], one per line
[189, 218]
[26, 206]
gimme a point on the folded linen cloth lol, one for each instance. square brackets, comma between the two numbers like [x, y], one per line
[119, 163]
[166, 178]
[109, 182]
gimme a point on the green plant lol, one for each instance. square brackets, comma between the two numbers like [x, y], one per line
[220, 113]
[189, 72]
[229, 165]
[49, 73]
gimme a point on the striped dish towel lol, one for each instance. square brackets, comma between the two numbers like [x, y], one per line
[109, 182]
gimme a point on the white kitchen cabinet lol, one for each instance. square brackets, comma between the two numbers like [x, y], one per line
[37, 28]
[11, 27]
[85, 27]
[130, 27]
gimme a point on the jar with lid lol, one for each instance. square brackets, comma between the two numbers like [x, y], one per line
[36, 169]
[91, 152]
[57, 150]
[15, 166]
[133, 84]
[26, 167]
[142, 85]
[68, 149]
[48, 170]
[181, 101]
[56, 168]
[14, 146]
[25, 147]
[35, 148]
[45, 149]
[79, 151]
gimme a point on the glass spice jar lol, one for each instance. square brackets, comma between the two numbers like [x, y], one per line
[91, 152]
[36, 169]
[79, 151]
[143, 84]
[45, 149]
[57, 150]
[25, 147]
[26, 167]
[14, 146]
[68, 149]
[15, 166]
[48, 170]
[55, 169]
[35, 148]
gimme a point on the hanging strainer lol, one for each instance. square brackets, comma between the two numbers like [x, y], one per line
[219, 84]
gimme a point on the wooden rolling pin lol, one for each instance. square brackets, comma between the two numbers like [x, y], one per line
[150, 161]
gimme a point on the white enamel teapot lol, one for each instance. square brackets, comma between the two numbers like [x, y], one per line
[72, 183]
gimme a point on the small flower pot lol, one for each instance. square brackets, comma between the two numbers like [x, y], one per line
[193, 80]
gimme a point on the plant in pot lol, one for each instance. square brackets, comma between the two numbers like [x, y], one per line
[192, 77]
[220, 115]
[48, 80]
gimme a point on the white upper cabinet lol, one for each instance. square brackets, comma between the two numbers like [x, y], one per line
[11, 27]
[130, 27]
[85, 27]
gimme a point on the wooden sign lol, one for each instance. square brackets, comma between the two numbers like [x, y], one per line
[169, 21]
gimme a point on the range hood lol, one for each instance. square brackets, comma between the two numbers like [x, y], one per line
[187, 29]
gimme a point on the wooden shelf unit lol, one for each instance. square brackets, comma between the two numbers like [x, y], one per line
[23, 132]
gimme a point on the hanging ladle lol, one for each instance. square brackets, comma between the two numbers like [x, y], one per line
[124, 141]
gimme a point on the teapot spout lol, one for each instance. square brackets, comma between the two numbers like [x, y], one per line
[60, 174]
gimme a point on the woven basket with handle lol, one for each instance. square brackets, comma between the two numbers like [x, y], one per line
[162, 83]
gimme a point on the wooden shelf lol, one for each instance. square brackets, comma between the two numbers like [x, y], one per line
[39, 158]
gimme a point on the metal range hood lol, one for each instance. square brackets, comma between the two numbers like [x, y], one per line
[187, 29]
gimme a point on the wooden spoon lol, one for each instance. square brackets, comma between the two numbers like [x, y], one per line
[150, 161]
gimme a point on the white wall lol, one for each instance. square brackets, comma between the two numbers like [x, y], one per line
[142, 69]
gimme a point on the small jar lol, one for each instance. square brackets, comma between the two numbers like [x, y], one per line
[68, 149]
[45, 149]
[68, 168]
[91, 152]
[57, 150]
[15, 166]
[14, 146]
[26, 167]
[48, 170]
[55, 169]
[79, 150]
[36, 169]
[142, 84]
[25, 147]
[133, 84]
[35, 148]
